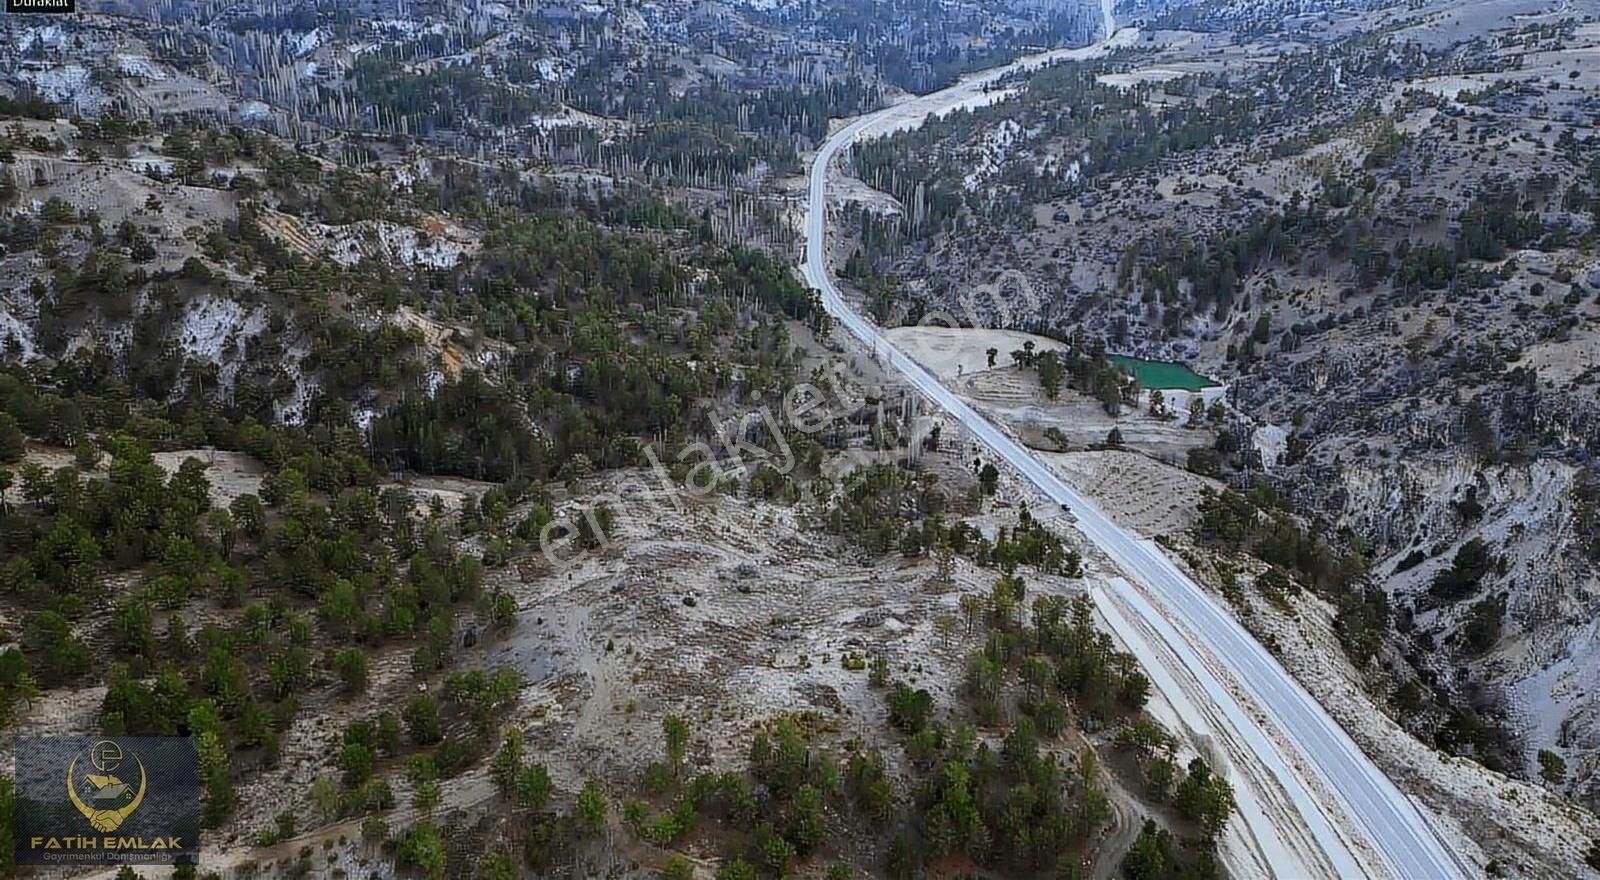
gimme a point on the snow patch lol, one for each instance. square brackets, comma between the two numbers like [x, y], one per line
[570, 118]
[1557, 705]
[210, 321]
[406, 28]
[294, 411]
[157, 165]
[15, 334]
[400, 244]
[254, 110]
[68, 84]
[1272, 442]
[362, 416]
[48, 37]
[991, 153]
[553, 70]
[305, 44]
[139, 66]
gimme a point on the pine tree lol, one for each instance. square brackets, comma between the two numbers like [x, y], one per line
[216, 780]
[805, 820]
[7, 818]
[677, 735]
[506, 767]
[351, 665]
[11, 439]
[422, 719]
[533, 788]
[590, 808]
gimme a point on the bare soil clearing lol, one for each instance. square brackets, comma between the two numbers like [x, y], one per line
[1144, 495]
[959, 357]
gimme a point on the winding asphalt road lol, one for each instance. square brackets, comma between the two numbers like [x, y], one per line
[1361, 822]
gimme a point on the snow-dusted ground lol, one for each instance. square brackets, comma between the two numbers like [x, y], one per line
[401, 244]
[140, 66]
[1559, 706]
[991, 154]
[209, 321]
[1272, 442]
[303, 45]
[1452, 86]
[377, 239]
[14, 332]
[45, 37]
[69, 84]
[977, 89]
[567, 117]
[293, 410]
[1547, 660]
[159, 166]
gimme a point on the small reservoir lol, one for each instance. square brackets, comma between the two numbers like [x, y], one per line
[1165, 375]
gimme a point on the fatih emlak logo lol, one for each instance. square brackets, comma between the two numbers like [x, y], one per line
[83, 800]
[104, 790]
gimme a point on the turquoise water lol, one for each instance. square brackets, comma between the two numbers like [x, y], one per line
[1162, 374]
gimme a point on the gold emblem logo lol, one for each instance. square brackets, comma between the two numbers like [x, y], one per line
[111, 801]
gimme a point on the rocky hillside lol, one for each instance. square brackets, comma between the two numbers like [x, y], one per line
[1387, 250]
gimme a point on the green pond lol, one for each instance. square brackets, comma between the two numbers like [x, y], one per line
[1162, 374]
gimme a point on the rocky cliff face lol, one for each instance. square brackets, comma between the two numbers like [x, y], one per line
[1078, 22]
[1539, 670]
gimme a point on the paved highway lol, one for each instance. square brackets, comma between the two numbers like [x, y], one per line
[1360, 821]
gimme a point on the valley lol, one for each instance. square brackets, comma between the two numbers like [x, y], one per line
[735, 440]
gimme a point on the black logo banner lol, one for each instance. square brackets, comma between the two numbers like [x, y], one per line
[107, 800]
[46, 6]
